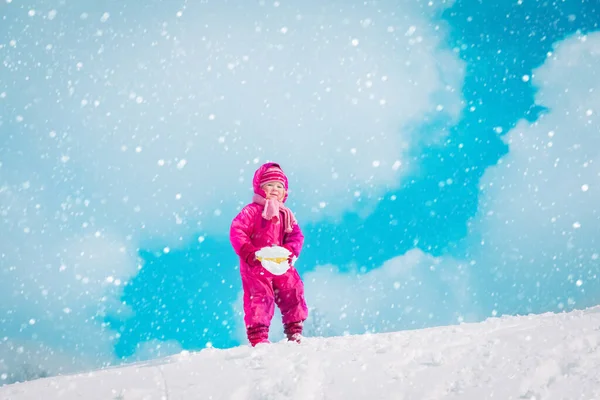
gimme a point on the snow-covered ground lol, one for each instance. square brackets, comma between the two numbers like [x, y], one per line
[549, 356]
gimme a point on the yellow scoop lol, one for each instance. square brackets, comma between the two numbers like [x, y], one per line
[275, 260]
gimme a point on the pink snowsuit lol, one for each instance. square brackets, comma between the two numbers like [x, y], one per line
[249, 233]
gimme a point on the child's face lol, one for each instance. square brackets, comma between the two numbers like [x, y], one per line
[274, 190]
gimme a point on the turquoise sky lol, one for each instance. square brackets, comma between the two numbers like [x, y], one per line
[442, 160]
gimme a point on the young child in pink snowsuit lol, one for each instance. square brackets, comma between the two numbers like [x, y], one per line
[263, 223]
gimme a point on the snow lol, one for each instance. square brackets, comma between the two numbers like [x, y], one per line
[274, 259]
[547, 356]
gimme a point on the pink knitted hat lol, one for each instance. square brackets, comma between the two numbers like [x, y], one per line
[269, 172]
[273, 174]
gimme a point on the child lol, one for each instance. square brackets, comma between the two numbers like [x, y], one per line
[263, 223]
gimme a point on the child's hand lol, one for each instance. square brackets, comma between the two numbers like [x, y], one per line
[292, 260]
[292, 257]
[248, 254]
[254, 261]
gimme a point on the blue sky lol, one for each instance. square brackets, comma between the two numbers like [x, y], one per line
[441, 158]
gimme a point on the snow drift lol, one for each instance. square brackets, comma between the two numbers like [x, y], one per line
[548, 356]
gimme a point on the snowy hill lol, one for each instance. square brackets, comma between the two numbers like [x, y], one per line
[549, 356]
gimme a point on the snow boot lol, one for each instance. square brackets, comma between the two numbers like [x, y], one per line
[293, 331]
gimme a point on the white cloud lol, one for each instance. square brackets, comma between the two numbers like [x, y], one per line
[48, 267]
[410, 291]
[163, 132]
[537, 228]
[27, 359]
[56, 284]
[539, 207]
